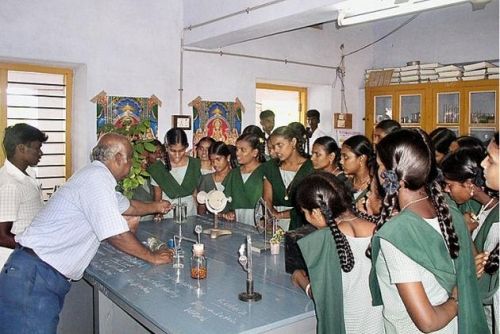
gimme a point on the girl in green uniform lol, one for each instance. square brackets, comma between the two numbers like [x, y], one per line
[178, 178]
[422, 264]
[491, 166]
[464, 181]
[282, 176]
[358, 161]
[244, 183]
[222, 161]
[338, 268]
[202, 153]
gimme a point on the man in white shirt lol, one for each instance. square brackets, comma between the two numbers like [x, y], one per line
[65, 235]
[314, 132]
[20, 193]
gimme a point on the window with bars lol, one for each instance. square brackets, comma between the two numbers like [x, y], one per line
[42, 99]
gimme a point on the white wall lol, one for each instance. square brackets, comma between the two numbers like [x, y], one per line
[132, 48]
[124, 47]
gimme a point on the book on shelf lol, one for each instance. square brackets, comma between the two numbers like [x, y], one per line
[493, 70]
[475, 72]
[450, 74]
[409, 73]
[410, 68]
[477, 66]
[475, 77]
[427, 71]
[448, 68]
[431, 77]
[430, 66]
[493, 76]
[410, 78]
[449, 79]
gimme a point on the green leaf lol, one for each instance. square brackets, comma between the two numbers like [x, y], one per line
[150, 147]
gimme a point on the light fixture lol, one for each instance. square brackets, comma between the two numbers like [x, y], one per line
[355, 12]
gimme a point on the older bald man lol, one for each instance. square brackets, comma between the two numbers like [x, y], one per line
[64, 237]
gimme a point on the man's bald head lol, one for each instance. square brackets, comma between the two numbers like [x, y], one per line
[108, 146]
[114, 151]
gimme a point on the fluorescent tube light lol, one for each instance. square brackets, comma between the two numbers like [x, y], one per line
[358, 12]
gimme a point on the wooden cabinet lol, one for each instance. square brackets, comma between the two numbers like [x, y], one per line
[466, 107]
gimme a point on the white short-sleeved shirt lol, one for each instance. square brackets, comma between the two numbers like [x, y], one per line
[359, 314]
[394, 267]
[20, 197]
[20, 200]
[493, 234]
[86, 210]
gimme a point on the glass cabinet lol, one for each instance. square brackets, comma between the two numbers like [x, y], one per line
[465, 107]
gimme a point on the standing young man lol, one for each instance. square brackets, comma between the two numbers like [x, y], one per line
[314, 131]
[20, 193]
[267, 122]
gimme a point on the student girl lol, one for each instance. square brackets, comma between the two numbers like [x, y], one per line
[422, 265]
[244, 183]
[464, 181]
[222, 162]
[383, 128]
[202, 153]
[179, 177]
[282, 176]
[358, 161]
[441, 139]
[335, 257]
[326, 157]
[491, 166]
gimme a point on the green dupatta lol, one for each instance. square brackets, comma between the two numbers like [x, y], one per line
[272, 173]
[420, 242]
[243, 195]
[320, 254]
[170, 186]
[488, 284]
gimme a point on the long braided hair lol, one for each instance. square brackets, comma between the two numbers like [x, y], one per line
[409, 156]
[322, 190]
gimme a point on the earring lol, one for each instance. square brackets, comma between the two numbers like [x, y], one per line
[471, 192]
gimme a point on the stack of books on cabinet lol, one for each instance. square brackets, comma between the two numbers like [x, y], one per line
[478, 71]
[435, 72]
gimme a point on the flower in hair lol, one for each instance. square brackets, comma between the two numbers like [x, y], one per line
[391, 181]
[261, 140]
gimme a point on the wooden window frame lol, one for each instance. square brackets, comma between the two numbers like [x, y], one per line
[68, 75]
[302, 96]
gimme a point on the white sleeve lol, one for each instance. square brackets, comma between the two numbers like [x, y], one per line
[123, 202]
[401, 268]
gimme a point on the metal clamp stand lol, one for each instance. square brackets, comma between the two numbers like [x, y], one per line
[180, 213]
[246, 263]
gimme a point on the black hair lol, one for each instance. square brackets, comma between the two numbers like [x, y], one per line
[322, 190]
[291, 132]
[441, 139]
[255, 130]
[408, 153]
[21, 133]
[495, 138]
[207, 139]
[388, 126]
[360, 145]
[462, 165]
[172, 137]
[473, 145]
[313, 113]
[266, 114]
[330, 146]
[220, 148]
[176, 136]
[491, 265]
[256, 142]
[301, 135]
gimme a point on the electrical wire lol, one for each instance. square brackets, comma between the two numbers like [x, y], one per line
[385, 36]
